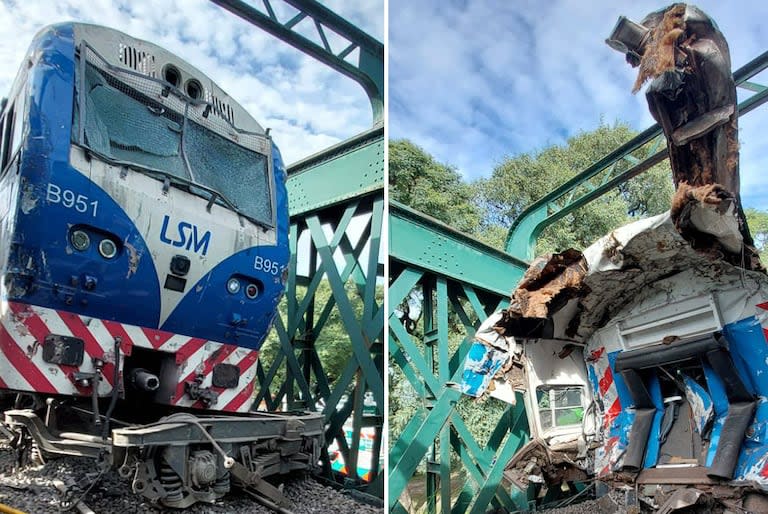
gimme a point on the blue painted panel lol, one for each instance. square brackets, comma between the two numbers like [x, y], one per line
[720, 401]
[481, 365]
[623, 423]
[652, 450]
[702, 408]
[748, 345]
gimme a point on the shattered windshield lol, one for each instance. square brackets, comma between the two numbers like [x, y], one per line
[129, 129]
[236, 172]
[143, 124]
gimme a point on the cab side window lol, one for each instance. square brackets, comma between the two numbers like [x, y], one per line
[12, 125]
[5, 139]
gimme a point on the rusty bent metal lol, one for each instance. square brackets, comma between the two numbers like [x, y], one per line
[643, 359]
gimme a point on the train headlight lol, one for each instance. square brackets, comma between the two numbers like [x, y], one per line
[251, 291]
[80, 240]
[233, 285]
[107, 248]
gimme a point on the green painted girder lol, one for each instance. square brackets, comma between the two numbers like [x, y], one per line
[334, 258]
[433, 374]
[339, 174]
[369, 69]
[326, 191]
[578, 191]
[424, 242]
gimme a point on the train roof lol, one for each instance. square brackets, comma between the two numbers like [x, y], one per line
[123, 51]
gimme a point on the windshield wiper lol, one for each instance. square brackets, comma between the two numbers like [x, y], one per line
[169, 179]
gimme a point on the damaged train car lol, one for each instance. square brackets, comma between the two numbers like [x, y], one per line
[643, 360]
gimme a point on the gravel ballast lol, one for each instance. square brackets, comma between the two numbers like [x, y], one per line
[32, 490]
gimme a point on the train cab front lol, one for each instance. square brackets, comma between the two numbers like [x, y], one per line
[146, 227]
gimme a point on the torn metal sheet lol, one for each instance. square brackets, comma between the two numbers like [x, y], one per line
[539, 462]
[490, 352]
[490, 335]
[481, 366]
[702, 409]
[681, 499]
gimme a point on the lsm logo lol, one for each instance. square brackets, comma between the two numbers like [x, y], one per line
[187, 236]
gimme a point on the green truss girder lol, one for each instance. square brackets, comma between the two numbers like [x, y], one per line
[339, 174]
[426, 243]
[437, 429]
[368, 71]
[627, 161]
[326, 192]
[334, 257]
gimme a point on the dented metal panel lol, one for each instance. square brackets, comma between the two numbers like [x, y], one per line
[646, 291]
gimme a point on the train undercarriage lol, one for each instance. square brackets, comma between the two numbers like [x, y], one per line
[178, 460]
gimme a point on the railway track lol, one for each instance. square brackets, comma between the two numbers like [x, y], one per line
[38, 490]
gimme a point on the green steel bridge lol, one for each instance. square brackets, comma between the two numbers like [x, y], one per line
[457, 276]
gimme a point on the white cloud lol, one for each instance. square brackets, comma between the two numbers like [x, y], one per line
[473, 82]
[308, 105]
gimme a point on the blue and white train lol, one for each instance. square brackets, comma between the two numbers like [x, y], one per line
[143, 253]
[136, 193]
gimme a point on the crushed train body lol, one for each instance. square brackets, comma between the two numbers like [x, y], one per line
[643, 360]
[650, 367]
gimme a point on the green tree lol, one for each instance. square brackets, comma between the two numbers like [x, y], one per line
[436, 189]
[332, 343]
[521, 180]
[758, 226]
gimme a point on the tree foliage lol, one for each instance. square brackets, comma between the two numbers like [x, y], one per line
[519, 181]
[758, 227]
[436, 189]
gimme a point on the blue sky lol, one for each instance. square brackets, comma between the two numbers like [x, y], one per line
[475, 81]
[307, 105]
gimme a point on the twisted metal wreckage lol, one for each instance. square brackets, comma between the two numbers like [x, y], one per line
[644, 357]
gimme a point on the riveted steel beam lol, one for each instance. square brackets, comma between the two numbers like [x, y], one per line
[339, 174]
[425, 243]
[368, 70]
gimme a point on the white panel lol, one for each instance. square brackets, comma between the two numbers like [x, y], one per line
[685, 319]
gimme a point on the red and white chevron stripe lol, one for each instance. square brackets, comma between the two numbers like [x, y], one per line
[23, 328]
[605, 456]
[598, 360]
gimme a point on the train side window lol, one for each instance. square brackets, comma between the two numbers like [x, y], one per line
[560, 406]
[6, 143]
[2, 140]
[17, 123]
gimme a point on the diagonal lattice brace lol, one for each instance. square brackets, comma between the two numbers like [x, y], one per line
[361, 340]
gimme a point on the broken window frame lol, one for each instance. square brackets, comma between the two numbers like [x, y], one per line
[552, 408]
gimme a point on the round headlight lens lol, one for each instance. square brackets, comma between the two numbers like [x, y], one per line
[233, 285]
[107, 248]
[252, 291]
[80, 240]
